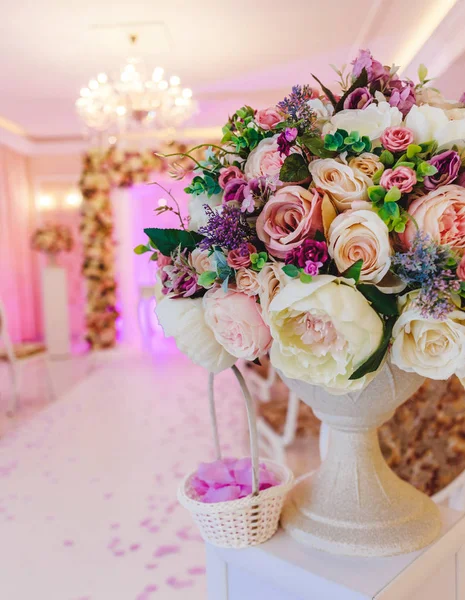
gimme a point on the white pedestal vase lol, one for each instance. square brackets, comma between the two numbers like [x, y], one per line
[55, 309]
[355, 504]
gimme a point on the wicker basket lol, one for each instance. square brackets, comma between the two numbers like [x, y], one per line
[248, 521]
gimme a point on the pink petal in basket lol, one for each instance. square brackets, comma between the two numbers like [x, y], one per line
[224, 494]
[199, 486]
[215, 473]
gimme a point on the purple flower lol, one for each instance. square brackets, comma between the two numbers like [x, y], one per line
[375, 70]
[462, 98]
[257, 192]
[448, 165]
[226, 228]
[234, 190]
[286, 140]
[180, 278]
[359, 98]
[401, 93]
[309, 256]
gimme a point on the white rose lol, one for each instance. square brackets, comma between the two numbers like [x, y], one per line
[361, 234]
[247, 281]
[200, 261]
[184, 319]
[430, 347]
[198, 216]
[323, 111]
[265, 160]
[322, 332]
[431, 123]
[342, 184]
[370, 121]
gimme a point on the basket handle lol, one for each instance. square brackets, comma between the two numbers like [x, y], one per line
[251, 421]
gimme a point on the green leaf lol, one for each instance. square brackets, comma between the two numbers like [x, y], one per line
[377, 176]
[167, 240]
[387, 158]
[361, 81]
[353, 272]
[305, 278]
[291, 270]
[424, 169]
[374, 361]
[327, 91]
[422, 73]
[412, 150]
[376, 193]
[294, 169]
[405, 163]
[389, 210]
[207, 278]
[385, 304]
[393, 195]
[319, 236]
[316, 146]
[141, 249]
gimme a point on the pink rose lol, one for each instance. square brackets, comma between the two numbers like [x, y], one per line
[237, 323]
[241, 256]
[288, 218]
[461, 269]
[440, 214]
[402, 177]
[265, 160]
[163, 261]
[267, 118]
[397, 139]
[228, 173]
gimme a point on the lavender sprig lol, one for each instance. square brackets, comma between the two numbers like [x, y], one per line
[226, 228]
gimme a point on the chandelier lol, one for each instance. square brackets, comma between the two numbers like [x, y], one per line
[135, 97]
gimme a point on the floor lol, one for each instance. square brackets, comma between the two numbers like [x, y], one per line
[88, 506]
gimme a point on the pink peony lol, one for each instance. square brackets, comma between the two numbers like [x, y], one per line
[461, 269]
[237, 323]
[240, 257]
[163, 261]
[397, 139]
[228, 173]
[440, 214]
[267, 118]
[288, 218]
[402, 177]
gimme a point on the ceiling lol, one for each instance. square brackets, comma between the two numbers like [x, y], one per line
[229, 53]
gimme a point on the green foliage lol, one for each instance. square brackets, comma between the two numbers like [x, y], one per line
[352, 143]
[168, 240]
[223, 270]
[305, 277]
[377, 176]
[258, 260]
[353, 272]
[142, 249]
[384, 304]
[376, 194]
[242, 131]
[316, 146]
[291, 271]
[361, 81]
[204, 184]
[387, 158]
[327, 91]
[393, 195]
[412, 150]
[294, 169]
[422, 73]
[374, 361]
[207, 279]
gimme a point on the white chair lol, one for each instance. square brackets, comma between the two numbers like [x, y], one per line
[17, 355]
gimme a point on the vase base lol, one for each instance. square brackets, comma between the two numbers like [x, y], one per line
[408, 533]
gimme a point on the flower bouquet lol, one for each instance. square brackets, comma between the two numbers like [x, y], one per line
[52, 239]
[329, 232]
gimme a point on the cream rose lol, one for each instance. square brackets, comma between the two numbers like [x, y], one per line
[323, 111]
[265, 160]
[322, 332]
[361, 234]
[184, 319]
[431, 123]
[247, 281]
[440, 214]
[197, 215]
[237, 323]
[342, 184]
[370, 121]
[200, 261]
[271, 279]
[430, 347]
[365, 165]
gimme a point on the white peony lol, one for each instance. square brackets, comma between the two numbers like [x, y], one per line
[323, 111]
[370, 121]
[431, 123]
[361, 234]
[322, 332]
[197, 215]
[430, 347]
[184, 319]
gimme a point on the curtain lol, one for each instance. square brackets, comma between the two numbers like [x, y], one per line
[19, 281]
